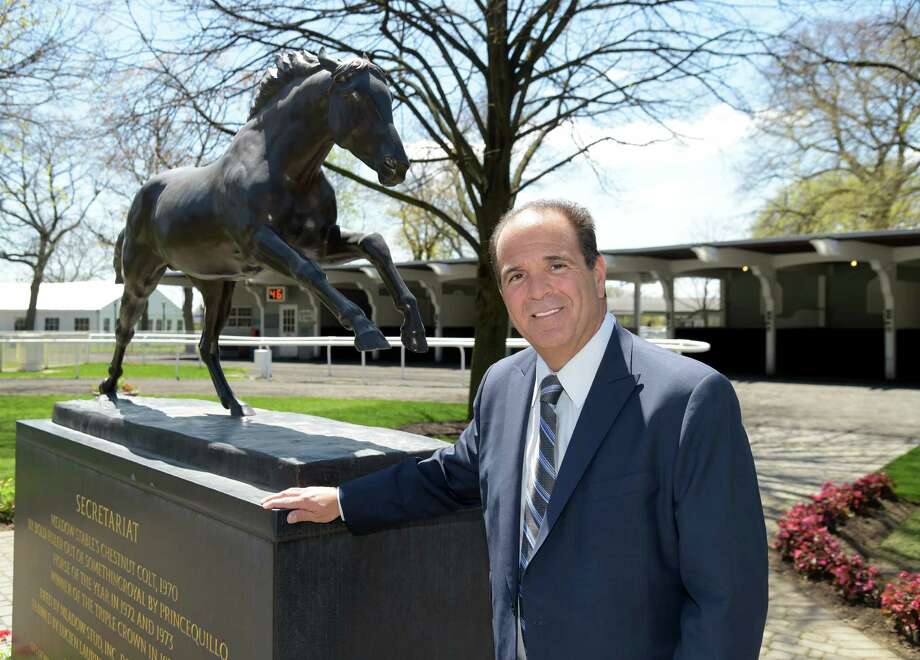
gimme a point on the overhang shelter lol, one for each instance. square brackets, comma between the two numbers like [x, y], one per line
[825, 306]
[821, 306]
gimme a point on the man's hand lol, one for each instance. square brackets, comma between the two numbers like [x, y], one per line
[316, 504]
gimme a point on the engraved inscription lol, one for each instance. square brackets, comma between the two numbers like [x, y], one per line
[107, 605]
[103, 515]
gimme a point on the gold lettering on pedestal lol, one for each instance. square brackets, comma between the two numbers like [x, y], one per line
[126, 597]
[103, 515]
[67, 624]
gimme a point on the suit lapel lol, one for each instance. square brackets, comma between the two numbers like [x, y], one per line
[510, 457]
[613, 385]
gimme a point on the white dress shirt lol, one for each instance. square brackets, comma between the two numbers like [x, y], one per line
[576, 377]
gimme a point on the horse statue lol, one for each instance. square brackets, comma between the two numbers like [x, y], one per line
[265, 203]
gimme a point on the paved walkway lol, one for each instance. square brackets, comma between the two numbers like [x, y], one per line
[801, 434]
[791, 464]
[6, 580]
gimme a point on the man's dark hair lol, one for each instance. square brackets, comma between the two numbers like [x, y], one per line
[578, 216]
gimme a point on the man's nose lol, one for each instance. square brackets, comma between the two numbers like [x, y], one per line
[538, 286]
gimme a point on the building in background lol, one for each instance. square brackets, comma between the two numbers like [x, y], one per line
[826, 306]
[82, 307]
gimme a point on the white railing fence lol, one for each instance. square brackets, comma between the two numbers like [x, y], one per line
[39, 351]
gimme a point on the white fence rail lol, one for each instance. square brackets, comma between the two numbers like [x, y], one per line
[37, 351]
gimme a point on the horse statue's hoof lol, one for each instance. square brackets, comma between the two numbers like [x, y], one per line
[107, 390]
[241, 410]
[415, 341]
[371, 340]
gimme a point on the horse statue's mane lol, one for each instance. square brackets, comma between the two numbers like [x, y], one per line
[295, 65]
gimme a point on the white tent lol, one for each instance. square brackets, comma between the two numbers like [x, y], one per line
[90, 306]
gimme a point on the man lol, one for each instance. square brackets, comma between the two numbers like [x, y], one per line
[617, 484]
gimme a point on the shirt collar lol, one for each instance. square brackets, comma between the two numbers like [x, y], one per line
[577, 374]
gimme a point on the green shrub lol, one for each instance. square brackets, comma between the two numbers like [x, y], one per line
[7, 500]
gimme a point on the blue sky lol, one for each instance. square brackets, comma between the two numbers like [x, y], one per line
[675, 191]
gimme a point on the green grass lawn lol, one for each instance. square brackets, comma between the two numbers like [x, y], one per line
[905, 473]
[99, 370]
[903, 544]
[388, 414]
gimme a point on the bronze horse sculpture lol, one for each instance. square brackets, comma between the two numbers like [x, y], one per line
[265, 203]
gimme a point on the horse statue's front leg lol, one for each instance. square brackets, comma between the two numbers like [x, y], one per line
[271, 251]
[341, 243]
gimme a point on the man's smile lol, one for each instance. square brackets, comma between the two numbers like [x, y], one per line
[548, 312]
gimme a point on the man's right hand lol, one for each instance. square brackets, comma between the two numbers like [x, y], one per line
[318, 504]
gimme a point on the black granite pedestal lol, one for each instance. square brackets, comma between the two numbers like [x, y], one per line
[139, 534]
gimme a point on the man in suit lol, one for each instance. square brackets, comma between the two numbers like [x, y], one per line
[620, 499]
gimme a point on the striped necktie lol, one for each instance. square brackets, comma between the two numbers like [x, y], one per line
[545, 475]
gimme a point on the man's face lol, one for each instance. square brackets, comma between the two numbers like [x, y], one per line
[554, 299]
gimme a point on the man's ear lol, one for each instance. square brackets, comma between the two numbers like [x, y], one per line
[600, 275]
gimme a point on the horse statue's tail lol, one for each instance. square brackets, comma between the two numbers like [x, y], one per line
[116, 261]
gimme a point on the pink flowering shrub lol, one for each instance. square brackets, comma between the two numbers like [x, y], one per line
[832, 505]
[858, 582]
[798, 523]
[838, 502]
[875, 487]
[817, 553]
[805, 539]
[901, 603]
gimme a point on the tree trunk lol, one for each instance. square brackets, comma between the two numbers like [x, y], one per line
[491, 315]
[706, 303]
[37, 276]
[187, 316]
[491, 327]
[145, 319]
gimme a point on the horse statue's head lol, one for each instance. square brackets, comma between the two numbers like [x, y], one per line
[361, 117]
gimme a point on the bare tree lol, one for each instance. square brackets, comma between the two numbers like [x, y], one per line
[701, 295]
[844, 140]
[425, 234]
[45, 195]
[187, 315]
[79, 256]
[513, 72]
[27, 62]
[148, 130]
[897, 31]
[39, 58]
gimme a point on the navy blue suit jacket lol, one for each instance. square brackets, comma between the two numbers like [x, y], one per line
[654, 543]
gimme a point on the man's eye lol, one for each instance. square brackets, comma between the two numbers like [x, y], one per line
[514, 277]
[558, 266]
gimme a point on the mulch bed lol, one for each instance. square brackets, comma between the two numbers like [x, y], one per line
[436, 429]
[864, 534]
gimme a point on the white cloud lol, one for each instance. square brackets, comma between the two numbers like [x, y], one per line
[720, 128]
[423, 149]
[672, 191]
[616, 74]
